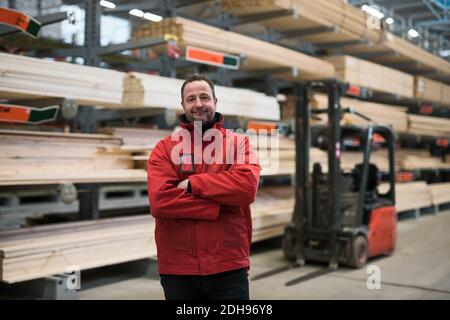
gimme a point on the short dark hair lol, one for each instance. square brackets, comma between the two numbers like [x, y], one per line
[198, 77]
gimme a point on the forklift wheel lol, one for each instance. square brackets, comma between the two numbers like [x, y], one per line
[359, 253]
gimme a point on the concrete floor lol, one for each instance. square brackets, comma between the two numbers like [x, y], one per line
[419, 269]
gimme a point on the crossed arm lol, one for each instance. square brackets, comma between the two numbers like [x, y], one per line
[169, 198]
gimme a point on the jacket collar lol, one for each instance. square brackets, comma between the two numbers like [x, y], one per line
[216, 123]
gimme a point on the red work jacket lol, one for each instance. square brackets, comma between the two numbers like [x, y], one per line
[209, 229]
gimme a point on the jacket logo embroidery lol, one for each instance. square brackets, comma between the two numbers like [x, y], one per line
[187, 163]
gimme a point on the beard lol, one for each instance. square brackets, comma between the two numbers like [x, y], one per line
[203, 116]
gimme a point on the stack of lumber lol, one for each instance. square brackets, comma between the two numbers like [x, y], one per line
[31, 78]
[155, 91]
[272, 211]
[258, 54]
[408, 51]
[440, 192]
[25, 77]
[433, 91]
[379, 113]
[288, 111]
[47, 250]
[352, 24]
[138, 141]
[350, 159]
[410, 196]
[410, 159]
[426, 125]
[372, 76]
[350, 21]
[276, 154]
[136, 138]
[42, 251]
[34, 157]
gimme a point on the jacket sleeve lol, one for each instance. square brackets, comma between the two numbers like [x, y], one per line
[235, 187]
[168, 201]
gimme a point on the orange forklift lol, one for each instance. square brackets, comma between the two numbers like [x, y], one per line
[339, 217]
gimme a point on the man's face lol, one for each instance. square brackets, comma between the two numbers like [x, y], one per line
[198, 102]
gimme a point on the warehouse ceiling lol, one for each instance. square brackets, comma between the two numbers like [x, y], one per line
[430, 18]
[424, 22]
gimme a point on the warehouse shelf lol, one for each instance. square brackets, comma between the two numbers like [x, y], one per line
[16, 206]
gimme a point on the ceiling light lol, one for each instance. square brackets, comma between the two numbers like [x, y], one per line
[389, 20]
[137, 13]
[413, 33]
[107, 4]
[372, 11]
[152, 17]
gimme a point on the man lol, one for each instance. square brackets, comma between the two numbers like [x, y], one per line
[202, 207]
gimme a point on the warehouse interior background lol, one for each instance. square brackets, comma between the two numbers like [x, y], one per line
[87, 88]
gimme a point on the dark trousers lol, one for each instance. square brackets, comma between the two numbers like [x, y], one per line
[230, 285]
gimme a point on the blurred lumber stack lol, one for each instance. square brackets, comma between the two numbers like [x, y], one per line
[28, 78]
[272, 211]
[379, 113]
[346, 23]
[161, 92]
[259, 54]
[426, 125]
[350, 21]
[37, 252]
[433, 91]
[372, 76]
[138, 141]
[440, 192]
[34, 157]
[410, 159]
[410, 196]
[276, 154]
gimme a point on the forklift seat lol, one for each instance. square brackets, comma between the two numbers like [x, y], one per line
[373, 177]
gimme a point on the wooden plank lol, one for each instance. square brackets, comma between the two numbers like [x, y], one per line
[440, 192]
[351, 23]
[259, 54]
[33, 78]
[154, 91]
[383, 79]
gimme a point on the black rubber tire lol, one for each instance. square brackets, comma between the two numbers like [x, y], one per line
[360, 252]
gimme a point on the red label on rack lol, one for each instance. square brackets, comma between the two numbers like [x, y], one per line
[11, 113]
[354, 90]
[442, 142]
[426, 109]
[404, 176]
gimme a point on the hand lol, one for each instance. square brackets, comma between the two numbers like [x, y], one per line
[183, 184]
